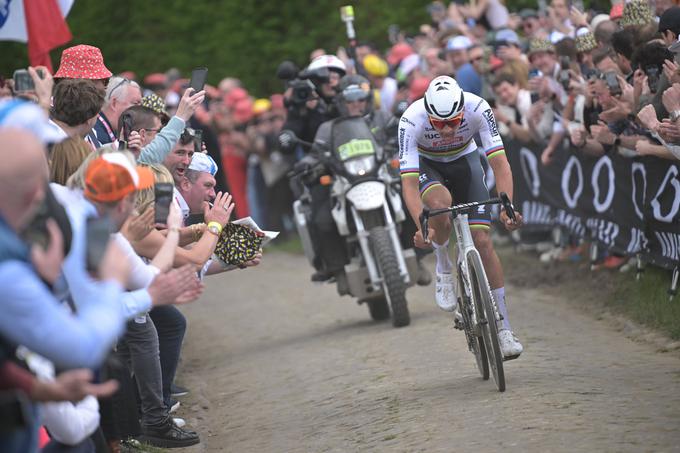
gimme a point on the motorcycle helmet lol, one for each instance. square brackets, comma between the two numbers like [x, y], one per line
[354, 88]
[444, 99]
[329, 62]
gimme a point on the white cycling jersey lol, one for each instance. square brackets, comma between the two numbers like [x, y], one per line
[418, 138]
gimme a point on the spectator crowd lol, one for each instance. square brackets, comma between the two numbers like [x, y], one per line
[90, 335]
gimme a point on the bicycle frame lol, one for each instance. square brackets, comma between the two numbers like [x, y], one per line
[465, 246]
[464, 242]
[480, 319]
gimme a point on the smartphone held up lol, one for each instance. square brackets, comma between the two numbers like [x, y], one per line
[163, 193]
[98, 235]
[198, 79]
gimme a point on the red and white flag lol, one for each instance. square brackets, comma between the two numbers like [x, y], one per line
[41, 23]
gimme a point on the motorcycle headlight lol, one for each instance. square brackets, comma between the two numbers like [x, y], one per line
[360, 165]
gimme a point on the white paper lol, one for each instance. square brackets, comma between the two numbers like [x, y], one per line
[250, 223]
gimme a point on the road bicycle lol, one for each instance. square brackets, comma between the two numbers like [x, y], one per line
[476, 305]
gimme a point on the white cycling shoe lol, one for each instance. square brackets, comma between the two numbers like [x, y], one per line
[510, 345]
[445, 292]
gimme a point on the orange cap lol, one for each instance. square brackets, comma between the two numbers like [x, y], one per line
[112, 177]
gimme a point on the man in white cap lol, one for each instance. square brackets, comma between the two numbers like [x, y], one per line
[457, 51]
[24, 115]
[198, 185]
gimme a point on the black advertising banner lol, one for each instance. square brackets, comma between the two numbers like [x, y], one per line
[627, 205]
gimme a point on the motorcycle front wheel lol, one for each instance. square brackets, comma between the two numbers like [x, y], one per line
[393, 283]
[378, 308]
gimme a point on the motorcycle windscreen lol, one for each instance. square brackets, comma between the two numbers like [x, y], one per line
[352, 137]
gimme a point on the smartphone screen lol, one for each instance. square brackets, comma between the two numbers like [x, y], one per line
[198, 140]
[613, 83]
[98, 235]
[23, 81]
[163, 192]
[198, 78]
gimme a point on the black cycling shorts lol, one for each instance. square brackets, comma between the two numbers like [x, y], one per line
[465, 180]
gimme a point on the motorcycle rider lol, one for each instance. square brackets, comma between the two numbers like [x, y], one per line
[439, 162]
[355, 98]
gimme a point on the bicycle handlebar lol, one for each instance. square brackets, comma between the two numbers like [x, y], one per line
[503, 200]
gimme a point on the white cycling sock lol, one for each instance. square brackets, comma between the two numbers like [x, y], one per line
[499, 297]
[441, 252]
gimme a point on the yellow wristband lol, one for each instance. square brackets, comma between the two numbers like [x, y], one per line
[215, 225]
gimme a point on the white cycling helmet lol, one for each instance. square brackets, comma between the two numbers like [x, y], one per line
[331, 62]
[444, 98]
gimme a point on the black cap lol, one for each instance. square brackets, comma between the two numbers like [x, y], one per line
[670, 20]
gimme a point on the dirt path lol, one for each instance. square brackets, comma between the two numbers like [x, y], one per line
[276, 364]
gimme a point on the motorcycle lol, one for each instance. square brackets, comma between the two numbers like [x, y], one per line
[367, 210]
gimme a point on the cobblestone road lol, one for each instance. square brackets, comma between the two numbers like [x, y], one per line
[276, 364]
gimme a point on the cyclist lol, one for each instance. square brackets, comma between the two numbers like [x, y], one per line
[440, 163]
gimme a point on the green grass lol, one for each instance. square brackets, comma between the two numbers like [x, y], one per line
[291, 245]
[646, 301]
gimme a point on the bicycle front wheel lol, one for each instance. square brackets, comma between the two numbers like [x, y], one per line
[486, 318]
[475, 342]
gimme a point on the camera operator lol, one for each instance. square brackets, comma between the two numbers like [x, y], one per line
[310, 96]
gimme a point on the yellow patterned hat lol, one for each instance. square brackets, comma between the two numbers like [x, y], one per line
[637, 12]
[540, 45]
[586, 42]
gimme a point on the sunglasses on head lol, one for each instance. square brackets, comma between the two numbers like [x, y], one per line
[122, 82]
[188, 135]
[452, 122]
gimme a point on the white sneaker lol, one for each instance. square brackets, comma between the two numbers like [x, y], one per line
[445, 292]
[550, 255]
[510, 345]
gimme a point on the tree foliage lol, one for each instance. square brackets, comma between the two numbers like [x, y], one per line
[244, 39]
[232, 38]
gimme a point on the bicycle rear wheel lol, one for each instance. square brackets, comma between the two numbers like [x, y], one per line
[475, 342]
[486, 318]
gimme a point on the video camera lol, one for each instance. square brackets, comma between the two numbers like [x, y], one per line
[304, 83]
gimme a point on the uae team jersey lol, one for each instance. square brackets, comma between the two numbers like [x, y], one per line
[417, 137]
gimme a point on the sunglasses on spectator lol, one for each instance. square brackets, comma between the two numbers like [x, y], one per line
[452, 122]
[152, 130]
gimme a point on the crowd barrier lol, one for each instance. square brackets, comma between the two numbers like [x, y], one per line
[627, 205]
